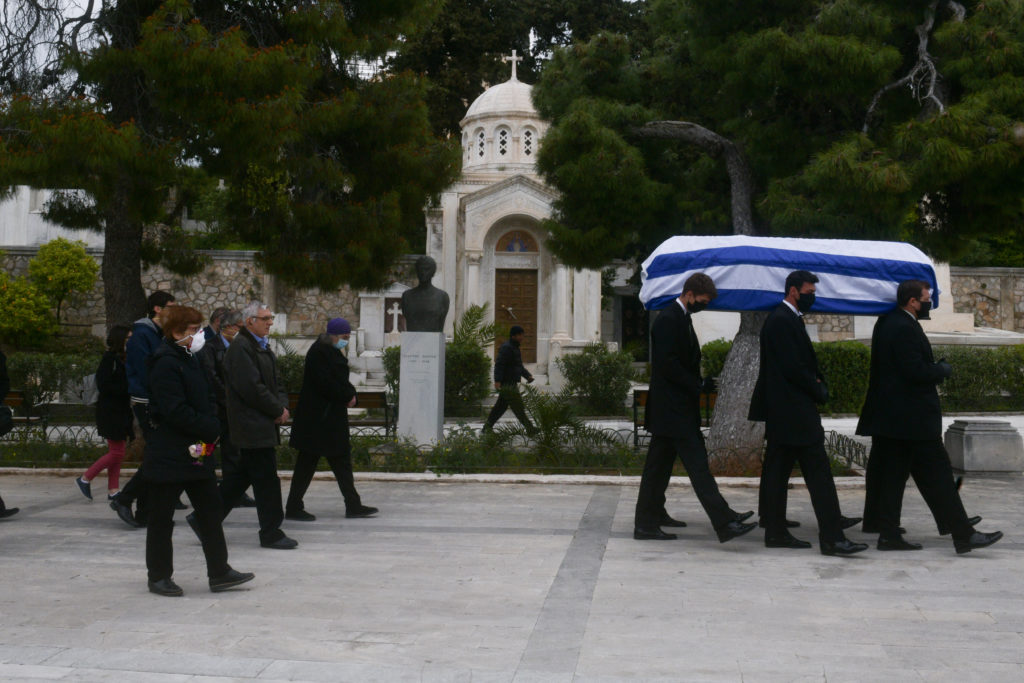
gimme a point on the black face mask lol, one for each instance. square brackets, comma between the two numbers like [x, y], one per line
[695, 307]
[805, 302]
[923, 313]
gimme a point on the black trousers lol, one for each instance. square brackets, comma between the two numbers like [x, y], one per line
[159, 551]
[508, 397]
[779, 460]
[928, 463]
[135, 490]
[661, 456]
[258, 468]
[340, 460]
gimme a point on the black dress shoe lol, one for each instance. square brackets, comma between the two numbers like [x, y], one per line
[361, 511]
[668, 521]
[898, 543]
[283, 543]
[847, 522]
[230, 579]
[790, 524]
[869, 528]
[166, 587]
[654, 534]
[943, 531]
[125, 513]
[734, 529]
[978, 539]
[246, 501]
[7, 512]
[300, 516]
[787, 541]
[843, 547]
[744, 516]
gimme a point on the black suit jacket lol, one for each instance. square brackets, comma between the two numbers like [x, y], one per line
[902, 400]
[787, 390]
[321, 417]
[508, 366]
[673, 403]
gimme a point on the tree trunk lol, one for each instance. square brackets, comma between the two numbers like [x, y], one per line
[734, 442]
[123, 296]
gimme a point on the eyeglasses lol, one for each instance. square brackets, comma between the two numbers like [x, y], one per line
[264, 318]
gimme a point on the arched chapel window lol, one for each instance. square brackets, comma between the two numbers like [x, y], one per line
[480, 144]
[528, 142]
[503, 142]
[517, 241]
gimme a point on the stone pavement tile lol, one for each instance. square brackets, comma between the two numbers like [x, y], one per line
[150, 661]
[12, 651]
[31, 672]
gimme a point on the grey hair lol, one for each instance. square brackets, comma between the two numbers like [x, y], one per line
[252, 310]
[231, 317]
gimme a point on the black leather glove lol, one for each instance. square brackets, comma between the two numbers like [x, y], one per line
[709, 385]
[945, 369]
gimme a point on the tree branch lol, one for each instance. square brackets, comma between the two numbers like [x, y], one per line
[923, 75]
[711, 143]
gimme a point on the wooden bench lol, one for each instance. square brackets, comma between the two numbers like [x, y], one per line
[370, 400]
[707, 406]
[15, 400]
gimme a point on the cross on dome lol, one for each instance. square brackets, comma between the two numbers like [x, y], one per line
[515, 60]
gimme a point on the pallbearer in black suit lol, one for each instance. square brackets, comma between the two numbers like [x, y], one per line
[902, 416]
[786, 397]
[673, 419]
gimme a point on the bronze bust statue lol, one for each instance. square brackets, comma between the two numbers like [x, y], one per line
[425, 306]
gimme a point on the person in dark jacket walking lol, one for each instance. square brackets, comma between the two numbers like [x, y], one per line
[185, 423]
[903, 417]
[257, 403]
[113, 413]
[320, 425]
[145, 339]
[673, 419]
[211, 358]
[5, 388]
[786, 397]
[508, 370]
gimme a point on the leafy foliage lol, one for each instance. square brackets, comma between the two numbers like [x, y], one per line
[26, 318]
[983, 379]
[846, 366]
[63, 271]
[473, 328]
[290, 368]
[599, 378]
[43, 377]
[713, 357]
[794, 85]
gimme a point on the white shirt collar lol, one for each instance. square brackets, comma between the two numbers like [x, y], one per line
[912, 316]
[682, 306]
[793, 308]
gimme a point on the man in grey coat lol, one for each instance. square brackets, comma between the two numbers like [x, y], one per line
[257, 403]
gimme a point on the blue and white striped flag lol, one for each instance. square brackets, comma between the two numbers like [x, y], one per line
[857, 276]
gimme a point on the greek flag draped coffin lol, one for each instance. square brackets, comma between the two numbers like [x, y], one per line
[858, 277]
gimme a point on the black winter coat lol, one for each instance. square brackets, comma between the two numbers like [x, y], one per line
[673, 402]
[508, 366]
[902, 400]
[211, 358]
[182, 406]
[321, 417]
[788, 388]
[255, 393]
[113, 407]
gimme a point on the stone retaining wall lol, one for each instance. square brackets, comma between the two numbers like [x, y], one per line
[994, 295]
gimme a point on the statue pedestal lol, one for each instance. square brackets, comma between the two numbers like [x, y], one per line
[421, 392]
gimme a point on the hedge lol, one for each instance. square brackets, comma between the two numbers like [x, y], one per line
[983, 379]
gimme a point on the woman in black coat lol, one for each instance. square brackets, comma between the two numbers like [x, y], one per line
[321, 423]
[113, 413]
[177, 454]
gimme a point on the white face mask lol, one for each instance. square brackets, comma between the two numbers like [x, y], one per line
[197, 343]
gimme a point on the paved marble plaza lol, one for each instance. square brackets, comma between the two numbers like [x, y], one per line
[507, 582]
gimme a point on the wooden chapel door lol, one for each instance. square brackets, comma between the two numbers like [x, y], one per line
[515, 299]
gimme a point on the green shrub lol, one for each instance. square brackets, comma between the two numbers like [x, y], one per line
[63, 271]
[846, 366]
[467, 373]
[290, 367]
[983, 378]
[392, 361]
[26, 319]
[599, 378]
[713, 357]
[43, 377]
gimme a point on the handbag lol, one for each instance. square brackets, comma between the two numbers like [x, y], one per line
[6, 420]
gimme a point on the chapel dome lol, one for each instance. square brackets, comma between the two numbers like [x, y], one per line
[511, 97]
